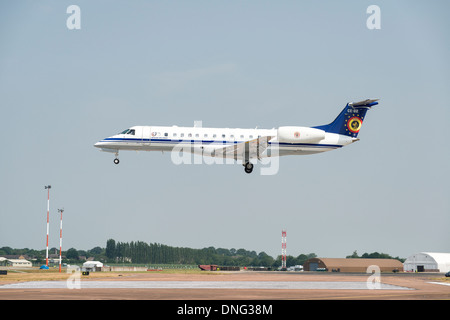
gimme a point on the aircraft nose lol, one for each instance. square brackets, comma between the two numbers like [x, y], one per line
[98, 144]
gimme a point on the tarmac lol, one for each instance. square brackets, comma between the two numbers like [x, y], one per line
[241, 285]
[259, 285]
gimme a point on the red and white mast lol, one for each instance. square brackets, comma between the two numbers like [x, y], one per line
[48, 216]
[60, 239]
[283, 250]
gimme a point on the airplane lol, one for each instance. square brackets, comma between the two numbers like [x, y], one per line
[246, 145]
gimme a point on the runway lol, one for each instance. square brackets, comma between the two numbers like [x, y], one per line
[256, 285]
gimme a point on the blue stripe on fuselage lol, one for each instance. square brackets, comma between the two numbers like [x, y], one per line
[284, 144]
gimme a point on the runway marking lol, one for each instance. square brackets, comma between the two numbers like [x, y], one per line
[441, 283]
[281, 285]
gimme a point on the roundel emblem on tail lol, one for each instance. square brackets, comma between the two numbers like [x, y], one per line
[297, 134]
[354, 124]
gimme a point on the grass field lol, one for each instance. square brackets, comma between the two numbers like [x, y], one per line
[35, 274]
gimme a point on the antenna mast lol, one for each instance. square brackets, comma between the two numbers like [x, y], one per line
[283, 250]
[48, 214]
[60, 239]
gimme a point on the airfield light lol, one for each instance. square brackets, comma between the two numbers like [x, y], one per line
[60, 239]
[48, 214]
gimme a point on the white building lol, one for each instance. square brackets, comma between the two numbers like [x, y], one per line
[427, 261]
[92, 265]
[19, 263]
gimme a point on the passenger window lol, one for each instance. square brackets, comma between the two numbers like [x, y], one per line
[223, 136]
[196, 135]
[182, 135]
[166, 134]
[190, 135]
[214, 135]
[242, 136]
[174, 134]
[251, 137]
[205, 135]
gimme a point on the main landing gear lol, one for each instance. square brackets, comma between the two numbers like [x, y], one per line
[116, 160]
[248, 167]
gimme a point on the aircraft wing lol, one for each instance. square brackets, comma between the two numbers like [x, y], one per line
[244, 150]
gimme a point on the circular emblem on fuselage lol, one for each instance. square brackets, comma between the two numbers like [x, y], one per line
[354, 124]
[297, 134]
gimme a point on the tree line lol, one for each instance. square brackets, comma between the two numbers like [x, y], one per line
[140, 252]
[71, 255]
[373, 255]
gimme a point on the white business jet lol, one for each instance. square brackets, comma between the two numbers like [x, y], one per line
[246, 145]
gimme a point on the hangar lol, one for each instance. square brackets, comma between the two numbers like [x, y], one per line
[351, 265]
[427, 262]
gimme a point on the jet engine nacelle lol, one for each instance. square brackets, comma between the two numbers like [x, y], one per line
[300, 134]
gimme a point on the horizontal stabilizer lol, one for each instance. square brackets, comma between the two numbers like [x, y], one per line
[364, 104]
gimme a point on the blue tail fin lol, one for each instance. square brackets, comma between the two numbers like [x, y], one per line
[350, 120]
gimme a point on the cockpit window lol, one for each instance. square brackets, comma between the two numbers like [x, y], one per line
[129, 131]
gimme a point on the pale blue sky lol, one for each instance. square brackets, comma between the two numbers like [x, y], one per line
[229, 64]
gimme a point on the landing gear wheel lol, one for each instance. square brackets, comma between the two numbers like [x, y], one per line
[116, 161]
[248, 167]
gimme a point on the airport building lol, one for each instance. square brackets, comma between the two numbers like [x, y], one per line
[92, 266]
[427, 262]
[352, 265]
[18, 263]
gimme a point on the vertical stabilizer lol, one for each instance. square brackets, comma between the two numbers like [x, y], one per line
[351, 118]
